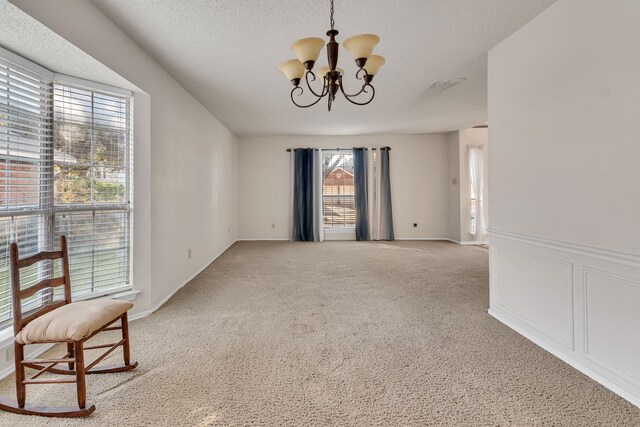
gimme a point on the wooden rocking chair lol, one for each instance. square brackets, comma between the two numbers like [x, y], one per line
[58, 322]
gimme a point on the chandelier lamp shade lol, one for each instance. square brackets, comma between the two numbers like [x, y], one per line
[307, 52]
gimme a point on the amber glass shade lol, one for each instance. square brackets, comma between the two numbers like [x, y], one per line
[373, 64]
[308, 49]
[292, 69]
[362, 45]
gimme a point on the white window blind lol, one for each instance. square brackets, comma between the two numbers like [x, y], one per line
[338, 197]
[91, 186]
[26, 173]
[65, 168]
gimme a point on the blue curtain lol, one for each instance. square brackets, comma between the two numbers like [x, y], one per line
[303, 195]
[384, 186]
[361, 190]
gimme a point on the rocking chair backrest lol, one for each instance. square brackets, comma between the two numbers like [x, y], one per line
[18, 294]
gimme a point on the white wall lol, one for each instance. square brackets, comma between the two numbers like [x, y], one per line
[419, 177]
[185, 159]
[565, 186]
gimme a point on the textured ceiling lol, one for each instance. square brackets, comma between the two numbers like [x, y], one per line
[226, 53]
[25, 36]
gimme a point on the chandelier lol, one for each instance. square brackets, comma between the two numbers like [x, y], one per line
[308, 50]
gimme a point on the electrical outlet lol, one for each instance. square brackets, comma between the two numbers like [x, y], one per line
[273, 225]
[10, 354]
[415, 224]
[229, 230]
[454, 181]
[189, 253]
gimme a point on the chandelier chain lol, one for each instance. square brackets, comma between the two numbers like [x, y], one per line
[332, 21]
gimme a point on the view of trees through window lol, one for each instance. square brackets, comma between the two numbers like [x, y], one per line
[90, 141]
[64, 169]
[89, 147]
[338, 201]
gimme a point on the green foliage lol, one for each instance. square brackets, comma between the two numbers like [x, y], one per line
[73, 186]
[106, 160]
[108, 192]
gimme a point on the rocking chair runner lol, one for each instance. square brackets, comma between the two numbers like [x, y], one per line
[58, 322]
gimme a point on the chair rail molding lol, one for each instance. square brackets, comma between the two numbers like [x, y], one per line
[615, 256]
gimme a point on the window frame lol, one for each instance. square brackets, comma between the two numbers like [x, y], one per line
[46, 209]
[126, 206]
[330, 228]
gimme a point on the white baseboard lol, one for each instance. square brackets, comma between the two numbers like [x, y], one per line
[37, 350]
[551, 292]
[145, 313]
[424, 239]
[447, 239]
[463, 242]
[262, 240]
[34, 351]
[571, 362]
[473, 242]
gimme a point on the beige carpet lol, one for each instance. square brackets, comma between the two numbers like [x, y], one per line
[337, 333]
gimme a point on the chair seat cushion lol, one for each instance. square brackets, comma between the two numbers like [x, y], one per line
[73, 321]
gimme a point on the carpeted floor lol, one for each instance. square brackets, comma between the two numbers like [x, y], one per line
[337, 333]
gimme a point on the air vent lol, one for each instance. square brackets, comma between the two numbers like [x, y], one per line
[441, 85]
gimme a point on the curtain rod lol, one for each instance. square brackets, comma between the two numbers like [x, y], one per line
[335, 149]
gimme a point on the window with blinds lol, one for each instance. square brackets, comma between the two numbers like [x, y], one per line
[91, 186]
[26, 173]
[338, 197]
[65, 158]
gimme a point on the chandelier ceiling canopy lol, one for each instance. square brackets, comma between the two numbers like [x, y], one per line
[307, 51]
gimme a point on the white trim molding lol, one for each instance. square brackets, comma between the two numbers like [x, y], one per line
[580, 303]
[564, 279]
[145, 313]
[6, 336]
[89, 85]
[568, 360]
[575, 248]
[447, 239]
[263, 240]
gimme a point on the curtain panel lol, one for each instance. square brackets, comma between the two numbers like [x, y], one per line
[384, 214]
[307, 195]
[361, 192]
[478, 208]
[372, 188]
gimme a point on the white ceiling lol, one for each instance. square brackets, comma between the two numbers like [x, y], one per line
[27, 37]
[226, 53]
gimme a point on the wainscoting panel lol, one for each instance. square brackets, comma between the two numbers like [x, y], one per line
[612, 322]
[537, 289]
[582, 304]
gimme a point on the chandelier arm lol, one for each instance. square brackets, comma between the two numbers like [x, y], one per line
[324, 82]
[363, 90]
[364, 87]
[358, 73]
[300, 105]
